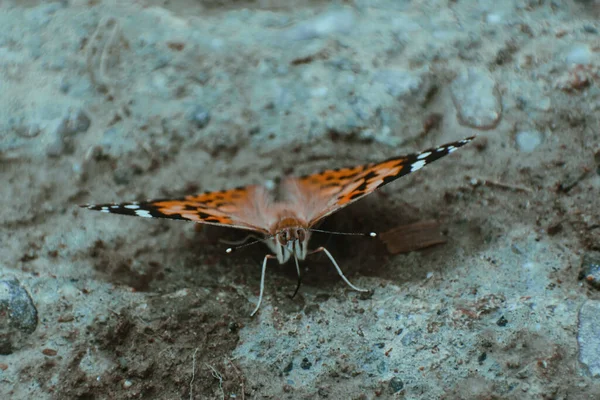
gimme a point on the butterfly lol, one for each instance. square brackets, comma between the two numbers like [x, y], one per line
[285, 216]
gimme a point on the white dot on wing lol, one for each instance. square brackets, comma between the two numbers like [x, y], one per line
[115, 206]
[451, 149]
[104, 209]
[440, 149]
[143, 213]
[423, 155]
[417, 165]
[132, 206]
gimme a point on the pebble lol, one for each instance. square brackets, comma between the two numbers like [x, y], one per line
[399, 83]
[199, 116]
[494, 18]
[288, 368]
[396, 385]
[476, 99]
[76, 121]
[339, 21]
[587, 336]
[305, 364]
[528, 141]
[579, 55]
[590, 270]
[18, 315]
[411, 338]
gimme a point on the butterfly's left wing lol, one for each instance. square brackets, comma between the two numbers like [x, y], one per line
[326, 192]
[241, 208]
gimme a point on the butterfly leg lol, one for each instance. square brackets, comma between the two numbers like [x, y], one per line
[299, 278]
[262, 282]
[337, 267]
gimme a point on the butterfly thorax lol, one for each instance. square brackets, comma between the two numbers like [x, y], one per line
[290, 238]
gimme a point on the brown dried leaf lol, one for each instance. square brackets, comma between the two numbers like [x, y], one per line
[412, 237]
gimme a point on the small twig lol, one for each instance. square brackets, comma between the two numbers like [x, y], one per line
[476, 182]
[237, 371]
[193, 373]
[111, 43]
[218, 376]
[566, 187]
[99, 50]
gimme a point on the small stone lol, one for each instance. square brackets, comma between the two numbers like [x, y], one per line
[494, 19]
[18, 315]
[580, 55]
[199, 116]
[502, 321]
[476, 99]
[66, 318]
[56, 147]
[524, 373]
[587, 336]
[528, 141]
[590, 269]
[340, 21]
[305, 364]
[554, 227]
[482, 357]
[233, 327]
[396, 385]
[76, 121]
[28, 130]
[288, 368]
[49, 352]
[399, 83]
[64, 86]
[411, 338]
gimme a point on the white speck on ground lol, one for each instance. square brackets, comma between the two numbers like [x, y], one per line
[528, 141]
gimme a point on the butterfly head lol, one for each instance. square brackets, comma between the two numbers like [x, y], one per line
[290, 241]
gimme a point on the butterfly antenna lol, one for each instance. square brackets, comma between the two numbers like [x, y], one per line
[230, 250]
[369, 234]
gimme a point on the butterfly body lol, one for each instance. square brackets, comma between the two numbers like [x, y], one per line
[290, 238]
[285, 216]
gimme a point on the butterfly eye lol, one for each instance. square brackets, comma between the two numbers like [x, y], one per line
[301, 235]
[283, 237]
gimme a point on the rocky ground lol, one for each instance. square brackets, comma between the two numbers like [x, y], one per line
[122, 100]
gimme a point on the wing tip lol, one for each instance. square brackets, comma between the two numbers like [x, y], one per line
[96, 207]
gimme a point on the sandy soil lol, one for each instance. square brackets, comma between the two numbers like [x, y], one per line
[124, 100]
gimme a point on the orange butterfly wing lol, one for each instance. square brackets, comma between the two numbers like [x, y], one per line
[327, 192]
[311, 197]
[237, 208]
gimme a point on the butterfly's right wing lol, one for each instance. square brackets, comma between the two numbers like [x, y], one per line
[240, 208]
[326, 192]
